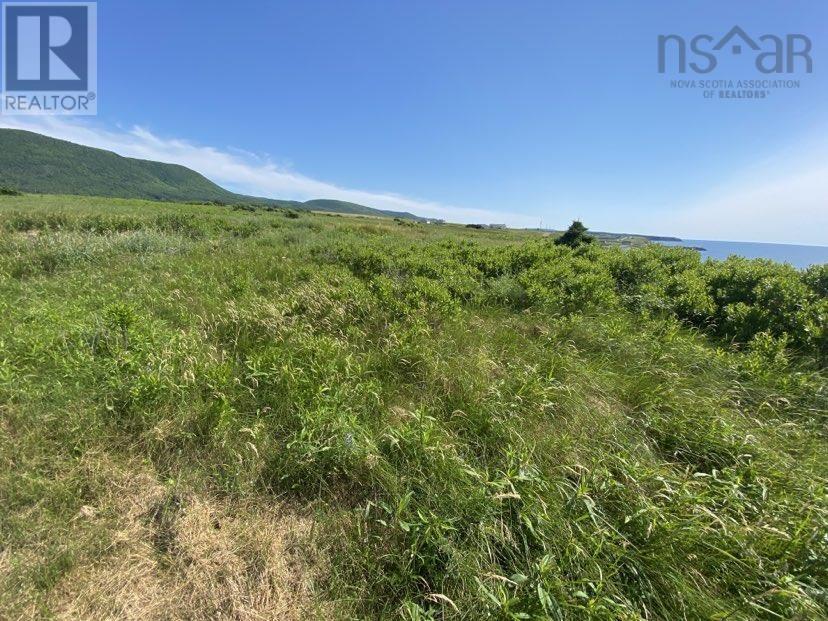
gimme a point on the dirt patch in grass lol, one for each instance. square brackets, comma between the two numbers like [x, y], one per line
[178, 555]
[30, 235]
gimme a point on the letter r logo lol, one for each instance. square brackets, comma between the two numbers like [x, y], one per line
[46, 47]
[30, 49]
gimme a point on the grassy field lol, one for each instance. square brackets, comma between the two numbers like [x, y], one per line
[209, 413]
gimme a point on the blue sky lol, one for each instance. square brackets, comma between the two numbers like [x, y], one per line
[471, 110]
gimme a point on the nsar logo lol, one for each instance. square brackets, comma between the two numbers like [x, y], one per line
[772, 54]
[49, 58]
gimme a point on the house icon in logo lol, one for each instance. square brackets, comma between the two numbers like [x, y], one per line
[736, 48]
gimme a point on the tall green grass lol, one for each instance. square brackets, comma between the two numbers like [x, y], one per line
[485, 425]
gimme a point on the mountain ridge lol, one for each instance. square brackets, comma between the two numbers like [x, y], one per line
[38, 164]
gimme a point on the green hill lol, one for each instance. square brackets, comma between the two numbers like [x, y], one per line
[38, 164]
[323, 204]
[34, 163]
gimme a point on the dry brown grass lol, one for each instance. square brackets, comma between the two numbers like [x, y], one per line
[183, 555]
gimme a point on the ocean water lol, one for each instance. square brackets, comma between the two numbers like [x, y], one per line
[798, 256]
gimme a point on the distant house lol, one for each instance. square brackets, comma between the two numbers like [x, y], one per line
[497, 226]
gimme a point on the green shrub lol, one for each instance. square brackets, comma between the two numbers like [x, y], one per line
[568, 285]
[505, 291]
[575, 236]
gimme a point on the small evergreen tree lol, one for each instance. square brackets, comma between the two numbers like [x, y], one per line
[575, 235]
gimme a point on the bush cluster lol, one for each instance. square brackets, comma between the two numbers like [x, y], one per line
[735, 300]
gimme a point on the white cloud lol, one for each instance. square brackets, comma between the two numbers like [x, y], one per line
[782, 198]
[244, 172]
[786, 209]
